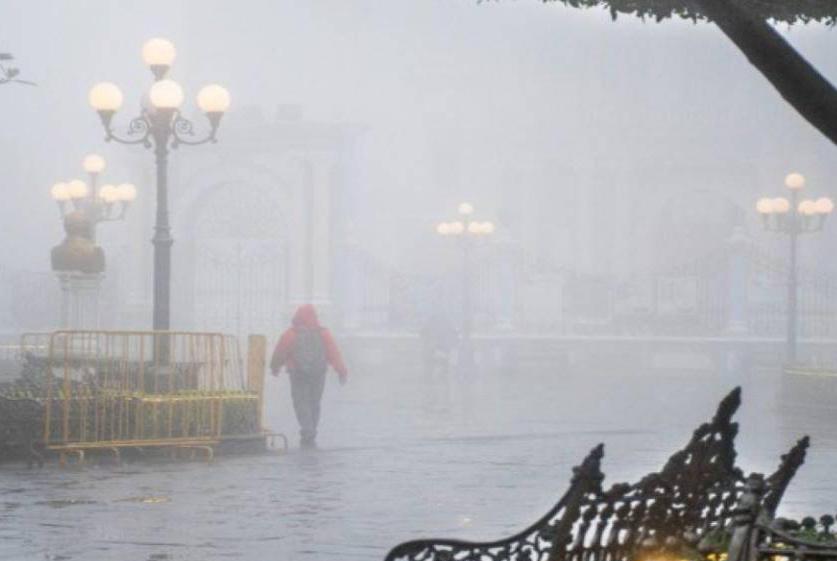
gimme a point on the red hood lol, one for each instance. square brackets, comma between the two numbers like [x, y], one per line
[306, 317]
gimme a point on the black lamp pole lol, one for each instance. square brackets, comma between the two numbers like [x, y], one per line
[793, 236]
[467, 346]
[162, 241]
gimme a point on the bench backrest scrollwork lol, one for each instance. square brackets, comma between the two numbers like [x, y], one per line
[689, 505]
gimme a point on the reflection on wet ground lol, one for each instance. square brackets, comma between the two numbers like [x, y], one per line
[402, 457]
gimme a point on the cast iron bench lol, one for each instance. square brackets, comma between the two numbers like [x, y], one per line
[699, 506]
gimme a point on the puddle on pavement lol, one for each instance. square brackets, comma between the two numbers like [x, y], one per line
[151, 500]
[64, 503]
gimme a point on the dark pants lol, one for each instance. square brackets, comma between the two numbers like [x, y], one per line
[307, 391]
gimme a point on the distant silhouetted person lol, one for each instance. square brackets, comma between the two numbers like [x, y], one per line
[306, 349]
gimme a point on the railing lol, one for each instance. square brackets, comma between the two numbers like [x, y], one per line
[712, 295]
[34, 344]
[758, 537]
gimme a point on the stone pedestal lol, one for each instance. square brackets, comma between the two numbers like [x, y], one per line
[80, 299]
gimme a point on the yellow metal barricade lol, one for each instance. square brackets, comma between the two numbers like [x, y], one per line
[34, 344]
[129, 388]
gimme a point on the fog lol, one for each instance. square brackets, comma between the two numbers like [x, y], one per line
[627, 285]
[516, 106]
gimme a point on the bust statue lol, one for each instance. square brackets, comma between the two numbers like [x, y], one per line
[78, 252]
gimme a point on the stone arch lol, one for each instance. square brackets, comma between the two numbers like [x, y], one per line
[236, 249]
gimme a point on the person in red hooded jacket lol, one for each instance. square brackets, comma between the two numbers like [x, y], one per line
[306, 350]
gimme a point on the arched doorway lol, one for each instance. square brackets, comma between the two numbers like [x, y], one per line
[695, 276]
[239, 260]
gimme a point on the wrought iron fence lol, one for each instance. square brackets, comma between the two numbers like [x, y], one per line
[741, 291]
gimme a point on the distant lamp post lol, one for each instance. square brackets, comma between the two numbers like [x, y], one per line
[161, 126]
[468, 231]
[105, 204]
[78, 262]
[793, 218]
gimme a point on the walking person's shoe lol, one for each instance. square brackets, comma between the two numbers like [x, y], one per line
[307, 443]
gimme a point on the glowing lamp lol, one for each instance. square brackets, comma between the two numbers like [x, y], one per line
[126, 192]
[105, 96]
[780, 205]
[77, 189]
[158, 52]
[213, 99]
[795, 181]
[824, 205]
[807, 208]
[60, 192]
[764, 206]
[166, 94]
[108, 194]
[93, 163]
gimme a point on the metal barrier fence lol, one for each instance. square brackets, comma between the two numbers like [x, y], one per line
[139, 387]
[34, 344]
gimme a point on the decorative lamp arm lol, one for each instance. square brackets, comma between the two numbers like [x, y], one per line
[139, 128]
[182, 129]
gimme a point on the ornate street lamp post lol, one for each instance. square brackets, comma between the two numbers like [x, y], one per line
[793, 218]
[467, 230]
[161, 126]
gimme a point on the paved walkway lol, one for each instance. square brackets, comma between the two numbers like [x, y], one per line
[402, 458]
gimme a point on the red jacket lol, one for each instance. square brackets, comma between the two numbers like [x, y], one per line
[306, 318]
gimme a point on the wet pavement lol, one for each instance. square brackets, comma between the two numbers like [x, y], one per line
[402, 457]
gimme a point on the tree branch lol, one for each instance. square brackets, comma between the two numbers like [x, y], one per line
[796, 80]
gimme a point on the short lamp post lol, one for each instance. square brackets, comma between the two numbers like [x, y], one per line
[78, 262]
[793, 217]
[99, 204]
[468, 231]
[161, 126]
